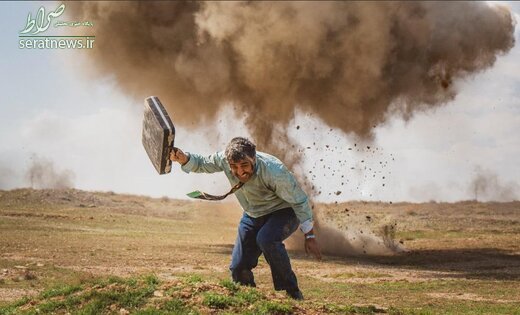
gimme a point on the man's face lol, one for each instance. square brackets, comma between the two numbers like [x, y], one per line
[243, 169]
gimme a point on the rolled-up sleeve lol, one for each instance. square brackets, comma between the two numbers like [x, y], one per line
[287, 188]
[204, 164]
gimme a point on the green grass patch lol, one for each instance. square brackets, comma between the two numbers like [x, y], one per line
[51, 306]
[268, 308]
[8, 310]
[230, 285]
[249, 295]
[93, 307]
[60, 290]
[218, 301]
[109, 295]
[94, 296]
[370, 309]
[351, 309]
[174, 305]
[193, 278]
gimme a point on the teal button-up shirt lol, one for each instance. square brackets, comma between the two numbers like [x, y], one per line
[272, 187]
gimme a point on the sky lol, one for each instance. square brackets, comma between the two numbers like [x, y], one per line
[86, 131]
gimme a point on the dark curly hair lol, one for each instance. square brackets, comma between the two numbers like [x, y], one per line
[239, 148]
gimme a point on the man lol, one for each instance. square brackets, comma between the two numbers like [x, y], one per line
[273, 204]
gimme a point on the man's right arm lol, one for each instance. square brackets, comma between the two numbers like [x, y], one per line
[191, 162]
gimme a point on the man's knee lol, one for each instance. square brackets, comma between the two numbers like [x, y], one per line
[265, 242]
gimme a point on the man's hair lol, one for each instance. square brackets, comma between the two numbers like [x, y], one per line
[239, 149]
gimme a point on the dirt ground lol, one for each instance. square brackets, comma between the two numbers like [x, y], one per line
[449, 258]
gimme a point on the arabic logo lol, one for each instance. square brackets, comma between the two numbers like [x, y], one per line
[41, 22]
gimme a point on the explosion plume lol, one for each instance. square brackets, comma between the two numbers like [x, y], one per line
[349, 63]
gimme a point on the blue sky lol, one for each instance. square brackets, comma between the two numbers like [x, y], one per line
[52, 109]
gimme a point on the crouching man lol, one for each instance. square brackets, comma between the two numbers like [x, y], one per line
[274, 205]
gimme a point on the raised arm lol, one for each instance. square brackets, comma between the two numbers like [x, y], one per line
[196, 163]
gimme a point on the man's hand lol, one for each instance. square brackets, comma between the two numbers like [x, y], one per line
[178, 156]
[311, 246]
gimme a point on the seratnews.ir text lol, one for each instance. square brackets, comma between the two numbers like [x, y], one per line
[56, 43]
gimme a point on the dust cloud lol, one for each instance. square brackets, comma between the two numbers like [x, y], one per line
[42, 174]
[350, 64]
[357, 240]
[486, 186]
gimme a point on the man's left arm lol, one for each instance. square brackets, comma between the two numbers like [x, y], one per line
[287, 188]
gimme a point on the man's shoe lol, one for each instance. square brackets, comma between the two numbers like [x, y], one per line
[296, 295]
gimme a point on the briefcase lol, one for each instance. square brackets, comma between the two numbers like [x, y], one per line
[158, 134]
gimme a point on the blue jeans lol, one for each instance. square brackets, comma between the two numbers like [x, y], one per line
[265, 235]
